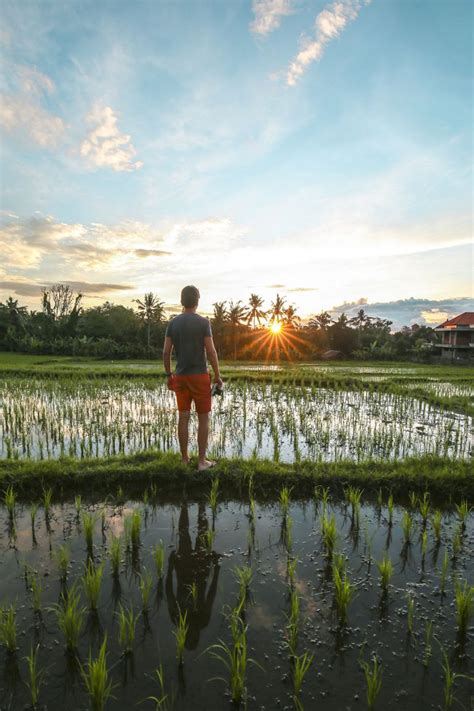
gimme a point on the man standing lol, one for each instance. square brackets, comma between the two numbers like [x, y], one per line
[191, 337]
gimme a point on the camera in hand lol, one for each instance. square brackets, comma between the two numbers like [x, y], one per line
[216, 390]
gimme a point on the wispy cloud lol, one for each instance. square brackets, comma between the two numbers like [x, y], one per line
[268, 14]
[25, 243]
[105, 146]
[26, 287]
[21, 106]
[328, 25]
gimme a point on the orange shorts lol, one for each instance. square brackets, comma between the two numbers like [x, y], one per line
[195, 387]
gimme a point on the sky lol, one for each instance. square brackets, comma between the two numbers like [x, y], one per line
[322, 151]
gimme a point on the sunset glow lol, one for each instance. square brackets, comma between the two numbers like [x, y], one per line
[276, 327]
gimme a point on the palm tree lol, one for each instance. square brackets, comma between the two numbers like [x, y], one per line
[16, 314]
[236, 315]
[277, 308]
[359, 320]
[256, 313]
[321, 320]
[290, 318]
[151, 310]
[218, 321]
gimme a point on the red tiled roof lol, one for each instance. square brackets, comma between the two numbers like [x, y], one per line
[465, 319]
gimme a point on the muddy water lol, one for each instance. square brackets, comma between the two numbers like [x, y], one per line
[334, 682]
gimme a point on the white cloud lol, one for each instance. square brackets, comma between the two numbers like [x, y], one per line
[105, 146]
[21, 109]
[268, 14]
[328, 26]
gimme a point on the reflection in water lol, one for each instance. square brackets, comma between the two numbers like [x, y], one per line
[192, 568]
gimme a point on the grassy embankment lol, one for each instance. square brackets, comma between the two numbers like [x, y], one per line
[445, 479]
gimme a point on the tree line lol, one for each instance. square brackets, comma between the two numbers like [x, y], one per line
[241, 330]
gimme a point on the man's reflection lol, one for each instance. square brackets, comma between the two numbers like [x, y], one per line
[192, 568]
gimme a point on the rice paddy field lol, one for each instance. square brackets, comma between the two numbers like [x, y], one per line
[275, 581]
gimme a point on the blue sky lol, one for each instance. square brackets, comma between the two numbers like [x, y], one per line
[321, 150]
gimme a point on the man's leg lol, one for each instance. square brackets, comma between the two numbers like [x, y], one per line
[203, 433]
[183, 434]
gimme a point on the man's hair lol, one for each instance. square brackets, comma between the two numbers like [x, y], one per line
[190, 297]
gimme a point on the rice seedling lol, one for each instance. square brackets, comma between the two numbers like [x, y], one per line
[390, 509]
[410, 612]
[62, 557]
[424, 507]
[9, 500]
[450, 678]
[162, 702]
[180, 634]
[373, 681]
[301, 666]
[36, 590]
[329, 533]
[379, 498]
[34, 677]
[47, 500]
[127, 623]
[235, 660]
[386, 571]
[158, 553]
[284, 499]
[96, 678]
[339, 562]
[244, 578]
[457, 542]
[444, 573]
[343, 594]
[135, 527]
[353, 495]
[8, 629]
[115, 552]
[92, 582]
[436, 523]
[33, 511]
[428, 648]
[463, 510]
[407, 526]
[145, 584]
[413, 497]
[291, 564]
[78, 504]
[213, 495]
[70, 618]
[464, 602]
[208, 539]
[88, 524]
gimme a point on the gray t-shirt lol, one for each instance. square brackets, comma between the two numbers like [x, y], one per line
[187, 331]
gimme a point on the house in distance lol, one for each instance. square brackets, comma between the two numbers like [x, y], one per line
[457, 337]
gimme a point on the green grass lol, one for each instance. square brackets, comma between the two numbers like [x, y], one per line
[444, 478]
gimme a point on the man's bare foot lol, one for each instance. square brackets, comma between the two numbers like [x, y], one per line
[206, 464]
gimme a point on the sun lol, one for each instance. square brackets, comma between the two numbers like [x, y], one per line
[275, 327]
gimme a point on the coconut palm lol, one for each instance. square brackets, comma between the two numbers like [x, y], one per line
[290, 317]
[321, 320]
[151, 310]
[256, 313]
[359, 320]
[236, 316]
[277, 309]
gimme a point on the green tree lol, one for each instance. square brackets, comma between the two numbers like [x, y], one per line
[255, 313]
[151, 310]
[236, 316]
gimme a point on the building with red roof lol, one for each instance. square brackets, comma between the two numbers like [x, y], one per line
[457, 337]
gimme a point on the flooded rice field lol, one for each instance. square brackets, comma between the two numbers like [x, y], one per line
[326, 604]
[283, 422]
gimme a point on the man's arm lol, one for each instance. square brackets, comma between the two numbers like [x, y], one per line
[213, 359]
[167, 348]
